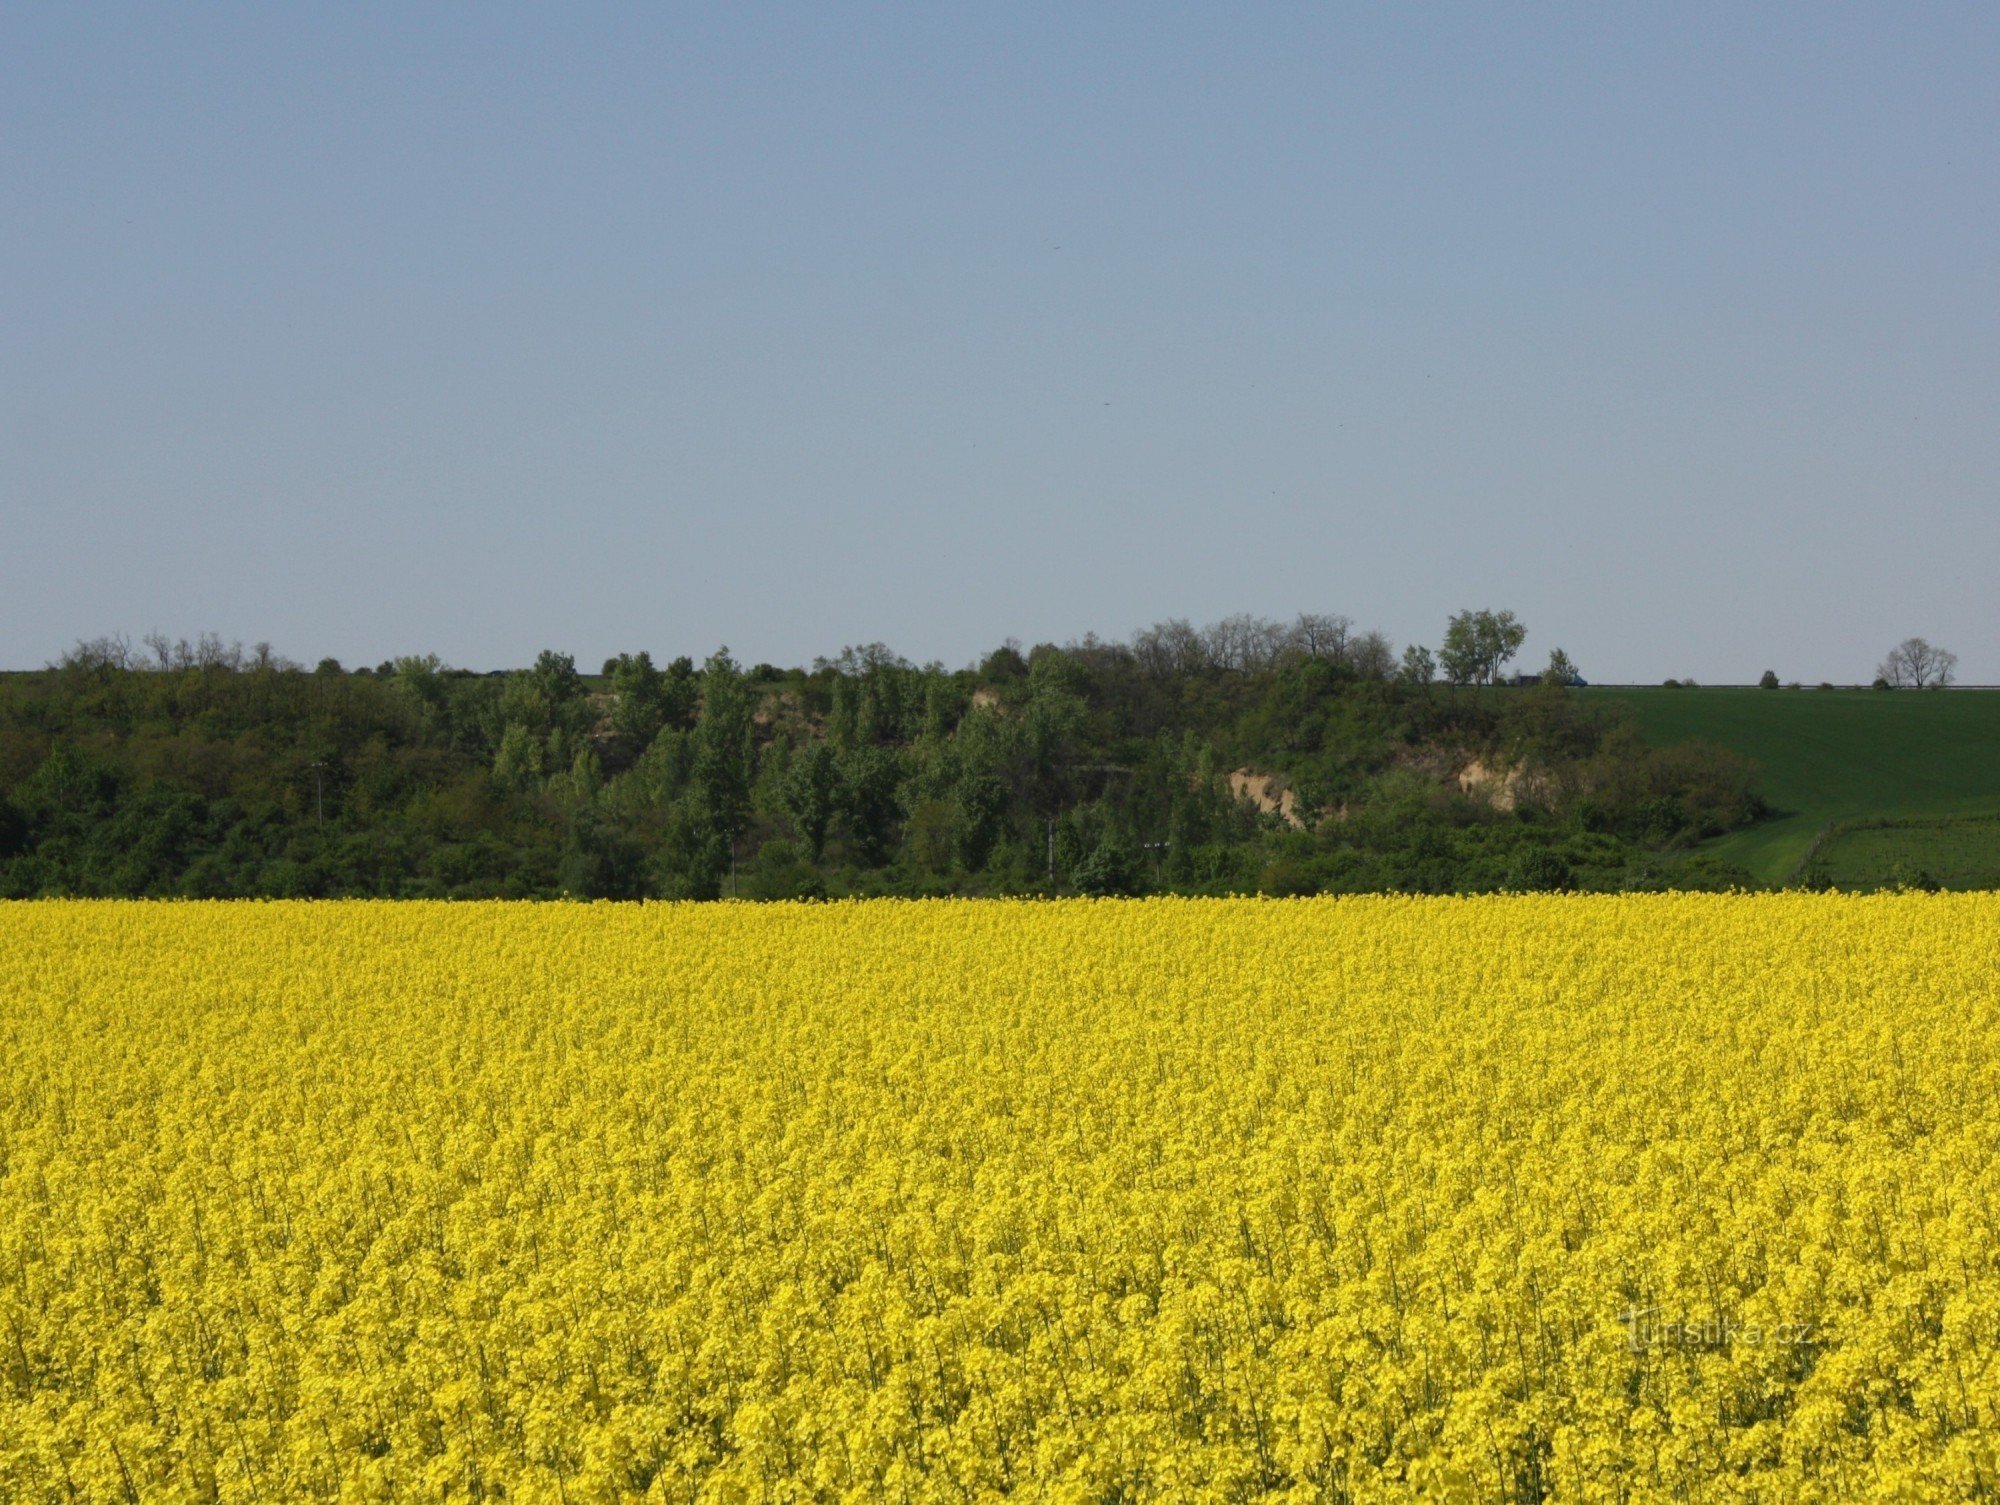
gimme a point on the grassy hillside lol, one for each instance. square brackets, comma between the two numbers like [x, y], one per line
[1836, 755]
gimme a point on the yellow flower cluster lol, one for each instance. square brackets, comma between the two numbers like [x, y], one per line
[1628, 1198]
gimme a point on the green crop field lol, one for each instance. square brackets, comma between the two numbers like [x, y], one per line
[1952, 851]
[1833, 756]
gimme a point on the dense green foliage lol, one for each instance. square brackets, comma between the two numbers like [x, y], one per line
[1829, 757]
[1097, 768]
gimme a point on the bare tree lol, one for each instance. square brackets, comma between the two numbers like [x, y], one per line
[1170, 647]
[113, 652]
[1243, 642]
[1247, 644]
[210, 652]
[1320, 635]
[1372, 656]
[1150, 650]
[206, 652]
[1266, 643]
[1223, 644]
[1914, 664]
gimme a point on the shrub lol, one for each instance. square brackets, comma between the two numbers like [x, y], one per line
[1539, 870]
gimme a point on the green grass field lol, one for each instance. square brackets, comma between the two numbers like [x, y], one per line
[1952, 851]
[1829, 756]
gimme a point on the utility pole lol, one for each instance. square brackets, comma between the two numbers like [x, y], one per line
[1052, 850]
[1156, 847]
[319, 793]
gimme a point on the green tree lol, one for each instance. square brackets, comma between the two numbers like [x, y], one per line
[639, 709]
[722, 756]
[680, 694]
[812, 795]
[842, 721]
[1478, 644]
[1054, 725]
[1003, 665]
[780, 872]
[1111, 868]
[554, 678]
[1537, 869]
[982, 818]
[928, 836]
[870, 776]
[70, 782]
[601, 861]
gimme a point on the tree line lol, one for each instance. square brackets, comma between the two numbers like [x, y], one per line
[1245, 755]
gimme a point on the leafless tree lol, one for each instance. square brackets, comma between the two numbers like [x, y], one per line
[1243, 642]
[206, 652]
[1246, 643]
[113, 652]
[1268, 643]
[1151, 650]
[1171, 647]
[1320, 635]
[1372, 656]
[1914, 664]
[210, 652]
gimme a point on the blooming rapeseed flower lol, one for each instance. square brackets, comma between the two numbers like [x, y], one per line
[1636, 1198]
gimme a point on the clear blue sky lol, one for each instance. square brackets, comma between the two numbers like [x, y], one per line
[370, 330]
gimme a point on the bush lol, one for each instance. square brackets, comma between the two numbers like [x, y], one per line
[1539, 870]
[1286, 877]
[781, 871]
[1768, 680]
[600, 861]
[1111, 868]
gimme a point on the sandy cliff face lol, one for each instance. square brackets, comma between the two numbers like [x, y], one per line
[1504, 788]
[1268, 792]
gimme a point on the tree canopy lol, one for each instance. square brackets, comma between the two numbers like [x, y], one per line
[1246, 755]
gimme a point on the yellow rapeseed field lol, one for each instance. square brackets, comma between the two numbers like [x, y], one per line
[1625, 1198]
